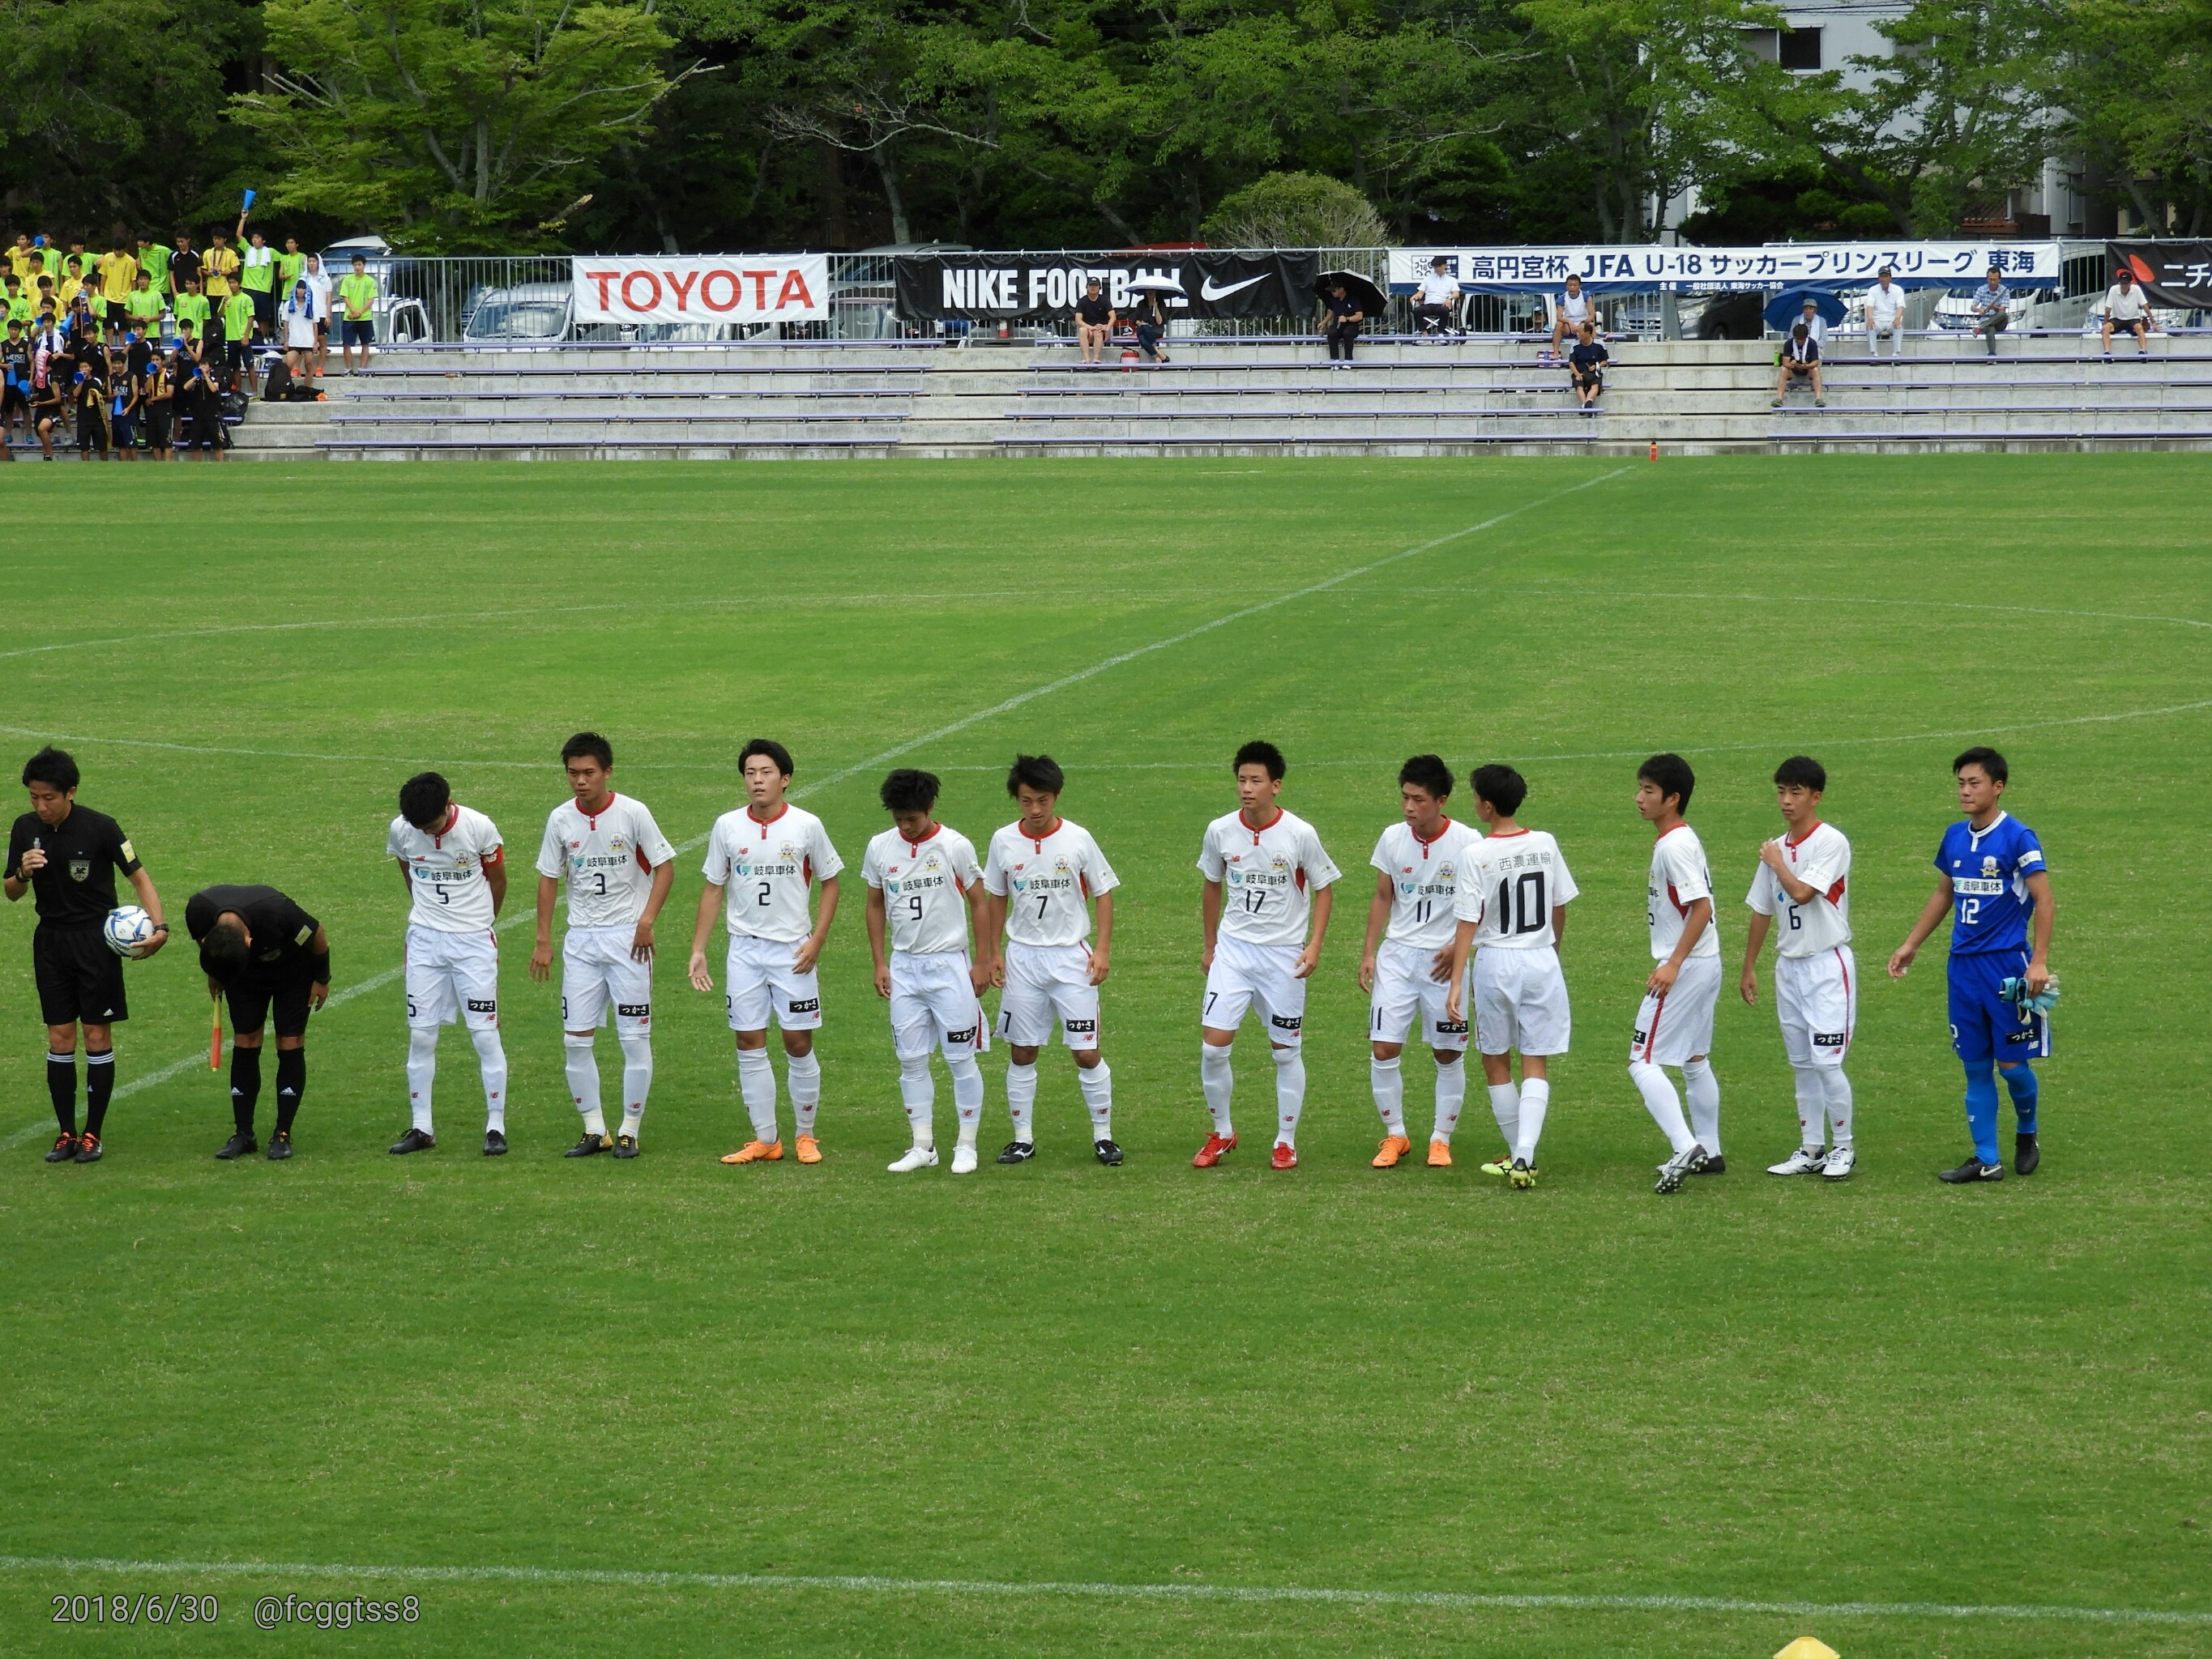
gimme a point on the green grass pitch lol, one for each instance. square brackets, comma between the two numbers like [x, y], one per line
[1695, 1426]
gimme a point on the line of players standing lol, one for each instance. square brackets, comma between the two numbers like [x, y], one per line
[1456, 911]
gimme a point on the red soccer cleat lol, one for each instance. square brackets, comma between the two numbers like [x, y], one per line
[1285, 1158]
[1210, 1154]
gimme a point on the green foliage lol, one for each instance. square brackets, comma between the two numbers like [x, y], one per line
[1294, 209]
[2136, 77]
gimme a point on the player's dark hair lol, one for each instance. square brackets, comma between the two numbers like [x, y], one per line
[423, 798]
[224, 951]
[1039, 772]
[1672, 775]
[1501, 786]
[909, 791]
[1991, 763]
[1428, 773]
[53, 766]
[1260, 752]
[1805, 772]
[592, 743]
[769, 747]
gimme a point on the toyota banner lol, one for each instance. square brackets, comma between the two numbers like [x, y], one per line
[1034, 287]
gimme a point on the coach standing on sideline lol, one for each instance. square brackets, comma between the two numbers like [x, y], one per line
[259, 949]
[67, 855]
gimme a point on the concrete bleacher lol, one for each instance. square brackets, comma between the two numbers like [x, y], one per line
[1234, 397]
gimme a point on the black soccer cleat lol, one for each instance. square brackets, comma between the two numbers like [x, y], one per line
[280, 1147]
[1972, 1169]
[1019, 1152]
[625, 1146]
[240, 1144]
[62, 1151]
[88, 1149]
[2025, 1155]
[1108, 1153]
[415, 1140]
[1714, 1165]
[494, 1144]
[587, 1147]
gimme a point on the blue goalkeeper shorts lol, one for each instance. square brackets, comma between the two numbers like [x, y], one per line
[1985, 1027]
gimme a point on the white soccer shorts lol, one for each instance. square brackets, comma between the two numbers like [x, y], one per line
[598, 973]
[1266, 975]
[1677, 1027]
[759, 982]
[1405, 984]
[1048, 985]
[1817, 998]
[1521, 1001]
[933, 1006]
[452, 977]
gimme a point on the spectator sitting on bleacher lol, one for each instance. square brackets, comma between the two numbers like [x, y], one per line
[1437, 298]
[1151, 328]
[1885, 316]
[1809, 318]
[1992, 314]
[1586, 367]
[2127, 310]
[1345, 318]
[1801, 357]
[1094, 322]
[1569, 313]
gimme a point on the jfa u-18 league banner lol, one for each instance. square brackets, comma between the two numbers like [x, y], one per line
[1787, 265]
[1024, 287]
[726, 288]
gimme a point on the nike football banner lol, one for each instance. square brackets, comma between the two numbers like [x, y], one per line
[2177, 275]
[1036, 286]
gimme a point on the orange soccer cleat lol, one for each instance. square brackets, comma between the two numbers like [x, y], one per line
[1285, 1158]
[809, 1152]
[1440, 1155]
[1210, 1154]
[1393, 1148]
[755, 1151]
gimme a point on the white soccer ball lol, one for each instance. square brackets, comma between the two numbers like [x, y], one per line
[126, 928]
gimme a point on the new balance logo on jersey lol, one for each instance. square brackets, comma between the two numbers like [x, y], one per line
[483, 1004]
[634, 1010]
[812, 1005]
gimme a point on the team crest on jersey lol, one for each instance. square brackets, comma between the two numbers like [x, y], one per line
[1446, 873]
[1060, 866]
[80, 869]
[788, 852]
[1989, 864]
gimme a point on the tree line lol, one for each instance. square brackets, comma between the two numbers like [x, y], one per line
[464, 125]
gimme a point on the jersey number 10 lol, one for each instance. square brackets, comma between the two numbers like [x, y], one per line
[1520, 908]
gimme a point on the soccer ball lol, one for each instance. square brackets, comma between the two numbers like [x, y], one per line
[126, 928]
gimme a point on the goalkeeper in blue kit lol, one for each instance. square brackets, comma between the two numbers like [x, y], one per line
[1992, 882]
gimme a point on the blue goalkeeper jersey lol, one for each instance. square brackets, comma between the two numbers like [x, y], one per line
[1989, 870]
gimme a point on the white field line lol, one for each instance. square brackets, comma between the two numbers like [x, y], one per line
[1464, 1601]
[377, 981]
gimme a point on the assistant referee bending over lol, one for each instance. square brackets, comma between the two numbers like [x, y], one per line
[261, 950]
[67, 855]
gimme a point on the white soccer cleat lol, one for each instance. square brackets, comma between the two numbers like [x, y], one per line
[963, 1160]
[1803, 1161]
[919, 1158]
[1840, 1164]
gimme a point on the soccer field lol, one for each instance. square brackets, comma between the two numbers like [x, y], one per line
[670, 1407]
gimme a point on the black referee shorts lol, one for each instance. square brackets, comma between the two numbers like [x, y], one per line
[79, 978]
[250, 1000]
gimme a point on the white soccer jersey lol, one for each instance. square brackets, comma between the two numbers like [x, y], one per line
[447, 868]
[1516, 878]
[1045, 880]
[922, 884]
[1425, 878]
[1678, 879]
[765, 870]
[1270, 876]
[1821, 858]
[609, 858]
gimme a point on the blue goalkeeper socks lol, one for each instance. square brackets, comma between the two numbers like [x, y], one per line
[1982, 1110]
[2021, 1081]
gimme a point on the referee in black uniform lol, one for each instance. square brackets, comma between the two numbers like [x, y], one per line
[262, 952]
[67, 855]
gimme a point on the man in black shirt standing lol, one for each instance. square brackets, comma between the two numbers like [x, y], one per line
[67, 856]
[259, 949]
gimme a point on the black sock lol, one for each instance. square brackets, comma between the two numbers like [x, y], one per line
[291, 1083]
[99, 1085]
[61, 1083]
[244, 1086]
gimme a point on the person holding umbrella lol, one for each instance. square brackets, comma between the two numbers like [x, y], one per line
[1347, 301]
[1151, 314]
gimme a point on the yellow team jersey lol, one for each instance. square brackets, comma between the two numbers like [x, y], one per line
[118, 271]
[216, 270]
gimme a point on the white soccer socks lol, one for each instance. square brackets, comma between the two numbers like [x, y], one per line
[1218, 1079]
[492, 1060]
[1451, 1095]
[1536, 1100]
[1812, 1106]
[1388, 1082]
[637, 1079]
[583, 1068]
[1837, 1088]
[757, 1086]
[422, 1070]
[1021, 1100]
[967, 1101]
[1505, 1107]
[918, 1092]
[1659, 1099]
[803, 1075]
[1290, 1094]
[1096, 1083]
[1704, 1092]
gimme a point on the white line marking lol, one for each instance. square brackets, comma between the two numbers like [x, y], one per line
[877, 1583]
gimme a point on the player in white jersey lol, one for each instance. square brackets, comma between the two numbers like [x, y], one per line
[1406, 970]
[1514, 900]
[925, 892]
[619, 868]
[1674, 1025]
[1043, 873]
[763, 861]
[454, 870]
[1804, 877]
[1266, 874]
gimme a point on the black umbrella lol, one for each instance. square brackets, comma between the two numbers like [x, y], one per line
[1357, 288]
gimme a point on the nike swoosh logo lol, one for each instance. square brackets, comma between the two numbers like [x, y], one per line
[1207, 291]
